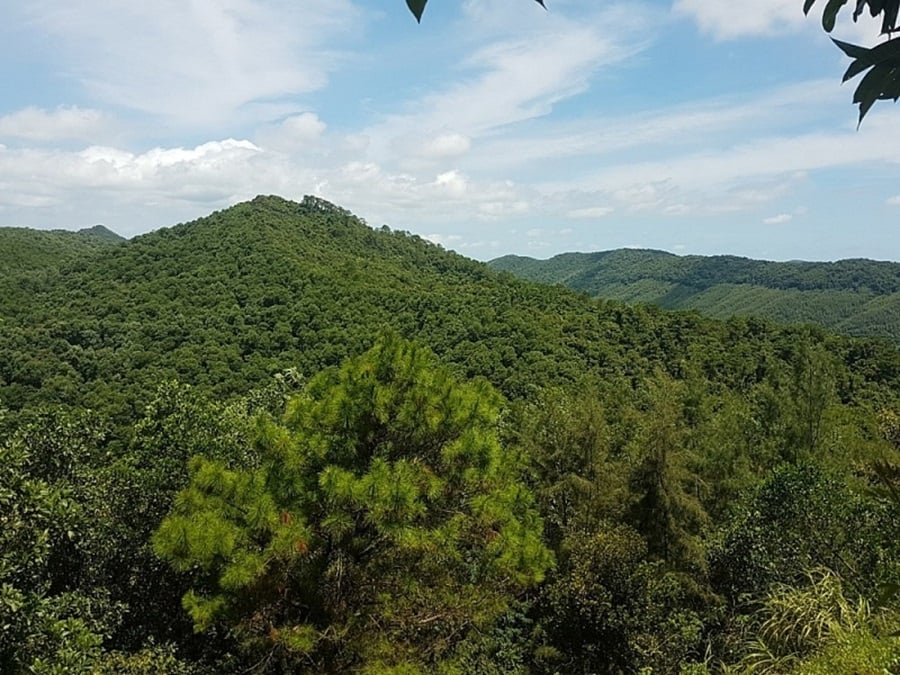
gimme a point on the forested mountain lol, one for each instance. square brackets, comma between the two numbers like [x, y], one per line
[24, 250]
[854, 297]
[30, 259]
[328, 448]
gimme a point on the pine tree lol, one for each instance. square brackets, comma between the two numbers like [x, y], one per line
[383, 522]
[667, 510]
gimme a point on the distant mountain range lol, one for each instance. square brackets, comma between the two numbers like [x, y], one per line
[856, 297]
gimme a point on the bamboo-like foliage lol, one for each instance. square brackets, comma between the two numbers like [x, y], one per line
[795, 622]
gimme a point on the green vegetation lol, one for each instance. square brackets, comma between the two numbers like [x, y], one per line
[31, 259]
[854, 297]
[882, 81]
[277, 440]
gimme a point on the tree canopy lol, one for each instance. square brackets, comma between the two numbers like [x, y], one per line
[197, 419]
[383, 522]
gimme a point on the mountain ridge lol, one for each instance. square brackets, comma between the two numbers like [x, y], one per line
[227, 300]
[855, 296]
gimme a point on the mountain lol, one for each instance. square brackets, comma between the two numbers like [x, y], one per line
[855, 297]
[683, 468]
[31, 259]
[25, 250]
[226, 301]
[102, 233]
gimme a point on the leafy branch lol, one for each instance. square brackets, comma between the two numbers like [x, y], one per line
[881, 64]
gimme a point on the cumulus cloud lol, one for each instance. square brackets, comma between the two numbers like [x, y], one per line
[304, 127]
[779, 219]
[105, 178]
[894, 201]
[63, 123]
[452, 183]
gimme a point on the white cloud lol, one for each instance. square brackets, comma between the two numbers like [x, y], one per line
[677, 209]
[453, 183]
[590, 212]
[447, 145]
[779, 219]
[481, 244]
[494, 210]
[445, 240]
[102, 178]
[894, 201]
[677, 128]
[296, 133]
[658, 183]
[515, 77]
[196, 63]
[304, 127]
[728, 20]
[725, 19]
[37, 124]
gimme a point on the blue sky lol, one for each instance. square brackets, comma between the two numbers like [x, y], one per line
[693, 126]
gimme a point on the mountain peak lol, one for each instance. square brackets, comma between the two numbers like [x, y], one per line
[309, 204]
[101, 232]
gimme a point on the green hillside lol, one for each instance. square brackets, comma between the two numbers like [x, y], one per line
[276, 440]
[30, 259]
[24, 250]
[228, 300]
[855, 297]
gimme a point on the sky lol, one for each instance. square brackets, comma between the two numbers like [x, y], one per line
[494, 127]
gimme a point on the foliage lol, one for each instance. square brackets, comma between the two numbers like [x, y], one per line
[815, 626]
[857, 297]
[882, 81]
[48, 624]
[609, 608]
[684, 469]
[384, 521]
[801, 518]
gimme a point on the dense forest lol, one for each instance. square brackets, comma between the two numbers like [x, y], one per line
[278, 440]
[854, 297]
